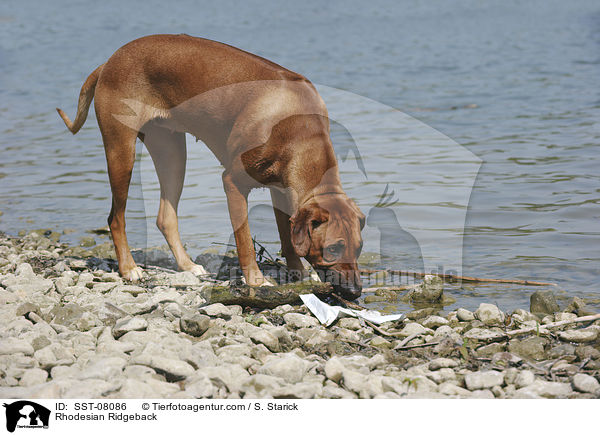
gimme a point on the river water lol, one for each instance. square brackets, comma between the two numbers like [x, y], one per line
[481, 117]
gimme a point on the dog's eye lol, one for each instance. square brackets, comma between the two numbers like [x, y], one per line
[333, 249]
[316, 223]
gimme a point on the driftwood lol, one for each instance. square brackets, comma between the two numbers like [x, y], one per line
[542, 328]
[390, 288]
[455, 278]
[264, 297]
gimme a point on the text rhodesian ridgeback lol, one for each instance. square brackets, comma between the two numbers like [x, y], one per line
[267, 126]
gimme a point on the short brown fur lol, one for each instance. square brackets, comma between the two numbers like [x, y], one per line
[266, 125]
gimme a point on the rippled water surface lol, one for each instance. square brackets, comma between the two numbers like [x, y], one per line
[481, 117]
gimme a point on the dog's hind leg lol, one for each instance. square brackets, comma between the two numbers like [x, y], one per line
[168, 152]
[119, 146]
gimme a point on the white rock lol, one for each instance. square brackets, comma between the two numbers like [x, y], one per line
[439, 363]
[483, 380]
[288, 366]
[334, 369]
[11, 345]
[413, 328]
[127, 324]
[297, 320]
[434, 322]
[544, 389]
[489, 314]
[464, 315]
[172, 368]
[524, 379]
[585, 383]
[579, 335]
[33, 377]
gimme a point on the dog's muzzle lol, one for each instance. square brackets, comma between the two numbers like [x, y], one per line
[346, 283]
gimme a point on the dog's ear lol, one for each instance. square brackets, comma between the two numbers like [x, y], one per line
[359, 214]
[301, 230]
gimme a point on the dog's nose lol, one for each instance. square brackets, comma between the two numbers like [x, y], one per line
[351, 292]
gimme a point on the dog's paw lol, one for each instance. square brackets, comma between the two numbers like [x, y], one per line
[267, 283]
[198, 270]
[134, 274]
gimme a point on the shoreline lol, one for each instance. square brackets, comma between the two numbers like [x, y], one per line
[72, 328]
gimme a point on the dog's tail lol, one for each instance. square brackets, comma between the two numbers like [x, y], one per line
[85, 98]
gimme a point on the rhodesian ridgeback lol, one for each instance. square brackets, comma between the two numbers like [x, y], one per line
[266, 125]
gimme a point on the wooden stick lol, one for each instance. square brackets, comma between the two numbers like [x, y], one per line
[453, 278]
[414, 346]
[408, 340]
[391, 288]
[347, 303]
[541, 328]
[264, 297]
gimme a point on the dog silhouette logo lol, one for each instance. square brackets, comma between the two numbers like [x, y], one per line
[26, 414]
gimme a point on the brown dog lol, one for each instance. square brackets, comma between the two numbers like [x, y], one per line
[266, 125]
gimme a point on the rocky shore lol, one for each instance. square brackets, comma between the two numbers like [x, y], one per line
[71, 328]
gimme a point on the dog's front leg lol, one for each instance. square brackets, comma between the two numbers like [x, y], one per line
[237, 202]
[283, 209]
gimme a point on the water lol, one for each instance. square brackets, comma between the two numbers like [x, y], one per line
[501, 97]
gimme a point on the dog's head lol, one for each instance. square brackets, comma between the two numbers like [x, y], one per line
[326, 231]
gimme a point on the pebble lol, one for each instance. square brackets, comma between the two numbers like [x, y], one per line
[585, 383]
[546, 389]
[578, 335]
[483, 380]
[465, 315]
[128, 324]
[296, 320]
[194, 325]
[489, 314]
[440, 363]
[152, 340]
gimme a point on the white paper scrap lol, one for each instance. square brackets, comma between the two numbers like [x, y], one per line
[326, 314]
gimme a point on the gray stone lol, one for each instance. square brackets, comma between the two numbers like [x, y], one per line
[481, 334]
[489, 314]
[128, 324]
[413, 328]
[54, 355]
[430, 290]
[334, 369]
[483, 380]
[434, 322]
[183, 279]
[524, 379]
[464, 315]
[586, 335]
[350, 323]
[547, 389]
[529, 348]
[103, 368]
[296, 320]
[11, 345]
[33, 377]
[199, 386]
[439, 363]
[230, 375]
[543, 302]
[301, 390]
[194, 325]
[585, 383]
[173, 369]
[289, 367]
[222, 311]
[262, 385]
[482, 394]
